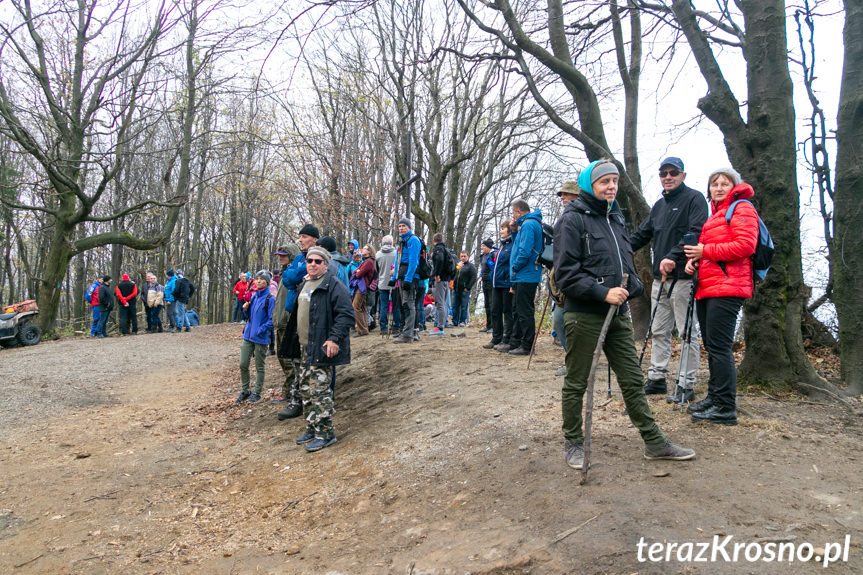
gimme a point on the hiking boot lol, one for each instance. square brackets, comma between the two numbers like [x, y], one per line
[519, 351]
[668, 450]
[436, 331]
[573, 454]
[503, 347]
[372, 325]
[290, 411]
[490, 345]
[680, 396]
[319, 443]
[254, 397]
[699, 405]
[655, 387]
[560, 371]
[188, 328]
[403, 339]
[244, 395]
[716, 414]
[306, 437]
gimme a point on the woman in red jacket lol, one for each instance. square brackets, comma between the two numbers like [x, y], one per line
[723, 257]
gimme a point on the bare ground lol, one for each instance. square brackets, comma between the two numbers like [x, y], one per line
[127, 455]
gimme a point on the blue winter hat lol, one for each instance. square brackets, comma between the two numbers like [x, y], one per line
[169, 273]
[593, 172]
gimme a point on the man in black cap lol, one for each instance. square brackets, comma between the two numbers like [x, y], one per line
[681, 210]
[106, 304]
[486, 267]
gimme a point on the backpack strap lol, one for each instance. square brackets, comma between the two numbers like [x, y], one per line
[730, 211]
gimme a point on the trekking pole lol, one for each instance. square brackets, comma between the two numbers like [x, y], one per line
[588, 412]
[608, 390]
[652, 315]
[536, 335]
[686, 340]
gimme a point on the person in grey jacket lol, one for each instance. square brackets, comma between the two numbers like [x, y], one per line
[384, 260]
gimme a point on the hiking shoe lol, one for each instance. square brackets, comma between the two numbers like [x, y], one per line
[716, 414]
[319, 443]
[680, 396]
[290, 411]
[244, 395]
[560, 371]
[403, 339]
[461, 324]
[519, 351]
[699, 405]
[655, 387]
[490, 345]
[484, 330]
[668, 450]
[254, 397]
[436, 331]
[306, 437]
[573, 454]
[503, 347]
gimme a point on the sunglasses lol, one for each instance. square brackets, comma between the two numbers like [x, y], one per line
[315, 261]
[672, 173]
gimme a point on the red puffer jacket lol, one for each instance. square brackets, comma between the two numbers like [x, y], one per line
[730, 244]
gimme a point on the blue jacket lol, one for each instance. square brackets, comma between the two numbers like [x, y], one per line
[410, 257]
[93, 287]
[500, 279]
[339, 266]
[292, 277]
[526, 248]
[169, 289]
[260, 322]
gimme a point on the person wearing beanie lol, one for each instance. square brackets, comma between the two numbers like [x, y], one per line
[592, 254]
[257, 336]
[292, 277]
[317, 340]
[170, 302]
[106, 304]
[680, 210]
[723, 258]
[338, 263]
[487, 258]
[525, 273]
[127, 296]
[408, 280]
[92, 297]
[183, 292]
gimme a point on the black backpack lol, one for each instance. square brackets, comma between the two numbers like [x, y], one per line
[546, 257]
[424, 269]
[450, 261]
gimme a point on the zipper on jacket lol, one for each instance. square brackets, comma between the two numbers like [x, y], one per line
[619, 256]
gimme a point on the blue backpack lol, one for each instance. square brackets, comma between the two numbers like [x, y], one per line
[764, 249]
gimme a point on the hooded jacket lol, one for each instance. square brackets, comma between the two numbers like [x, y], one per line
[500, 278]
[439, 267]
[526, 248]
[409, 251]
[183, 290]
[92, 295]
[169, 289]
[366, 272]
[339, 267]
[260, 322]
[486, 266]
[680, 211]
[729, 246]
[384, 260]
[240, 289]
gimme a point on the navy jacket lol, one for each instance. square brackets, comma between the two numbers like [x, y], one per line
[527, 246]
[501, 264]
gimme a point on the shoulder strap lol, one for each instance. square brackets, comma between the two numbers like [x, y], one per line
[730, 211]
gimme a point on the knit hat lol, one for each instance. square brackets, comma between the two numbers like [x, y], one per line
[310, 230]
[406, 222]
[169, 273]
[729, 173]
[328, 243]
[125, 277]
[673, 161]
[319, 251]
[284, 251]
[488, 243]
[179, 272]
[106, 279]
[265, 274]
[568, 188]
[593, 172]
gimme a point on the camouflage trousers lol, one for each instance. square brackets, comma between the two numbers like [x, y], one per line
[291, 368]
[317, 398]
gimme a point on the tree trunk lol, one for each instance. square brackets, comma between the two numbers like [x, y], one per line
[847, 260]
[56, 264]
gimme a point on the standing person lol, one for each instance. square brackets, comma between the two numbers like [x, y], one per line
[292, 277]
[153, 298]
[239, 291]
[681, 210]
[317, 338]
[591, 255]
[723, 256]
[567, 193]
[441, 272]
[92, 297]
[408, 279]
[387, 294]
[486, 266]
[363, 277]
[339, 263]
[183, 291]
[256, 337]
[525, 274]
[170, 302]
[465, 278]
[127, 296]
[106, 304]
[501, 294]
[280, 323]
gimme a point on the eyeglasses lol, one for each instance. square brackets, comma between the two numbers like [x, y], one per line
[315, 261]
[672, 173]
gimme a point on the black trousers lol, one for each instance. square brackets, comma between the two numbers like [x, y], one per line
[128, 316]
[486, 297]
[524, 310]
[717, 317]
[501, 315]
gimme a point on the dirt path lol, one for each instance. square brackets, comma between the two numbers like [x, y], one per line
[128, 456]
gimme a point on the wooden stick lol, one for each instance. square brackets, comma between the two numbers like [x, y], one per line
[569, 532]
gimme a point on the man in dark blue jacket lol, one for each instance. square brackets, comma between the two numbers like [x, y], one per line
[486, 271]
[525, 274]
[409, 280]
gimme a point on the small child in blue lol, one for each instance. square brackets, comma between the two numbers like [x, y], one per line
[257, 336]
